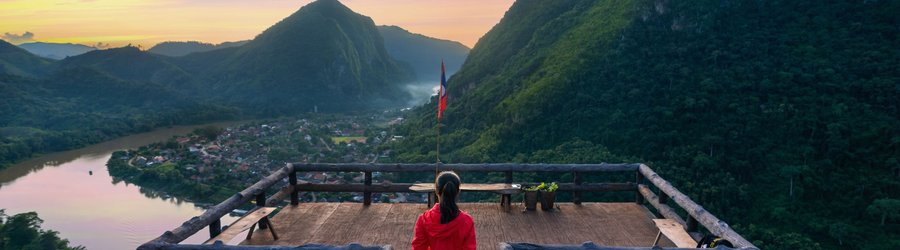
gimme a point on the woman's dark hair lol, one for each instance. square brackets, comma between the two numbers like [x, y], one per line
[447, 185]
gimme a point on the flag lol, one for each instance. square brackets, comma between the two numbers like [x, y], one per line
[442, 94]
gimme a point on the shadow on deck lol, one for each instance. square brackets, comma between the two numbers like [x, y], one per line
[611, 224]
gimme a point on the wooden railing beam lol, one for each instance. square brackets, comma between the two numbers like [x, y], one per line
[495, 167]
[661, 208]
[709, 221]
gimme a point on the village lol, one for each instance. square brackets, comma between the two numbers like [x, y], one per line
[234, 156]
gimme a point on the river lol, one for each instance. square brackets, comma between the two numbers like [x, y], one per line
[90, 209]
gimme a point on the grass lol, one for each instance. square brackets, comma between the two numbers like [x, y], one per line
[348, 139]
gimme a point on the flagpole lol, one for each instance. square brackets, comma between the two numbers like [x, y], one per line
[440, 101]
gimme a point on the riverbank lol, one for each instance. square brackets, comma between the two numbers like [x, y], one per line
[21, 143]
[210, 168]
[75, 196]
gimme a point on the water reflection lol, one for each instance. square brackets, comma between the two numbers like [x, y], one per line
[95, 210]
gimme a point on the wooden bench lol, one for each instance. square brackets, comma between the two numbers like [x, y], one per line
[505, 190]
[675, 232]
[248, 221]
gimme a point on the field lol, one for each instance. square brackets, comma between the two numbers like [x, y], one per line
[348, 139]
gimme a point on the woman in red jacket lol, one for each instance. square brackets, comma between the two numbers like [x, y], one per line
[445, 226]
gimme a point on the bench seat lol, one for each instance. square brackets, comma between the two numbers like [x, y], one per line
[248, 221]
[674, 232]
[504, 189]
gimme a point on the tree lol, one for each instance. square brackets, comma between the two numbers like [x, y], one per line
[21, 230]
[210, 132]
[886, 208]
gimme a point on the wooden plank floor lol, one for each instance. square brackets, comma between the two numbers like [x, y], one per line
[611, 224]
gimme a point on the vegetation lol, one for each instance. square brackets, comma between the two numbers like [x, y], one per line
[778, 116]
[14, 60]
[285, 70]
[184, 48]
[543, 187]
[79, 107]
[23, 232]
[423, 53]
[50, 105]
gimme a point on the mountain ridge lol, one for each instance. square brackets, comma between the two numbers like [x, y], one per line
[740, 104]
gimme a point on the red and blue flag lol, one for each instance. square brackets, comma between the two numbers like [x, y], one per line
[442, 95]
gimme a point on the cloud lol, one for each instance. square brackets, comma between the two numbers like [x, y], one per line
[101, 45]
[17, 39]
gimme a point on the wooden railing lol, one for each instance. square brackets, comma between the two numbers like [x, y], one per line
[696, 215]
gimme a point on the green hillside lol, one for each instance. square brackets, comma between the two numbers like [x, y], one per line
[423, 53]
[175, 49]
[779, 116]
[78, 107]
[129, 63]
[17, 61]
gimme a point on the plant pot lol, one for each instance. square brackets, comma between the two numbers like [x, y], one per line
[547, 200]
[531, 199]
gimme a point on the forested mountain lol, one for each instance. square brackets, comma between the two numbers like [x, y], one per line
[128, 63]
[56, 51]
[423, 53]
[81, 106]
[17, 61]
[176, 49]
[781, 117]
[323, 55]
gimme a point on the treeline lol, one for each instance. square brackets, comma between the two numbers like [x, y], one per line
[778, 116]
[79, 107]
[23, 232]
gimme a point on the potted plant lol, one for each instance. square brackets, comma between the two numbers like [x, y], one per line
[548, 195]
[531, 197]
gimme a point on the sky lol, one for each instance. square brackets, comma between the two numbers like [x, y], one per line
[115, 23]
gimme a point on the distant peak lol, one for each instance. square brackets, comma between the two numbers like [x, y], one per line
[327, 4]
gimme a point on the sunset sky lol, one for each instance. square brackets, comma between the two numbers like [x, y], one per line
[147, 22]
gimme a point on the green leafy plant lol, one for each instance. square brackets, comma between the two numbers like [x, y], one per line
[544, 187]
[549, 188]
[536, 188]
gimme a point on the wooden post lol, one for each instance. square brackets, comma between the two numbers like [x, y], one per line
[576, 198]
[367, 196]
[295, 195]
[261, 202]
[506, 199]
[691, 224]
[215, 228]
[663, 197]
[638, 179]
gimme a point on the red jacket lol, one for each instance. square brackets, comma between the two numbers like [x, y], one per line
[431, 234]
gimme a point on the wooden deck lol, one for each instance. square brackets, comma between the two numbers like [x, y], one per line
[610, 224]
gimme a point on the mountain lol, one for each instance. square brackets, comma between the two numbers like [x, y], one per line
[129, 63]
[779, 116]
[423, 53]
[324, 55]
[17, 61]
[80, 106]
[175, 49]
[56, 51]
